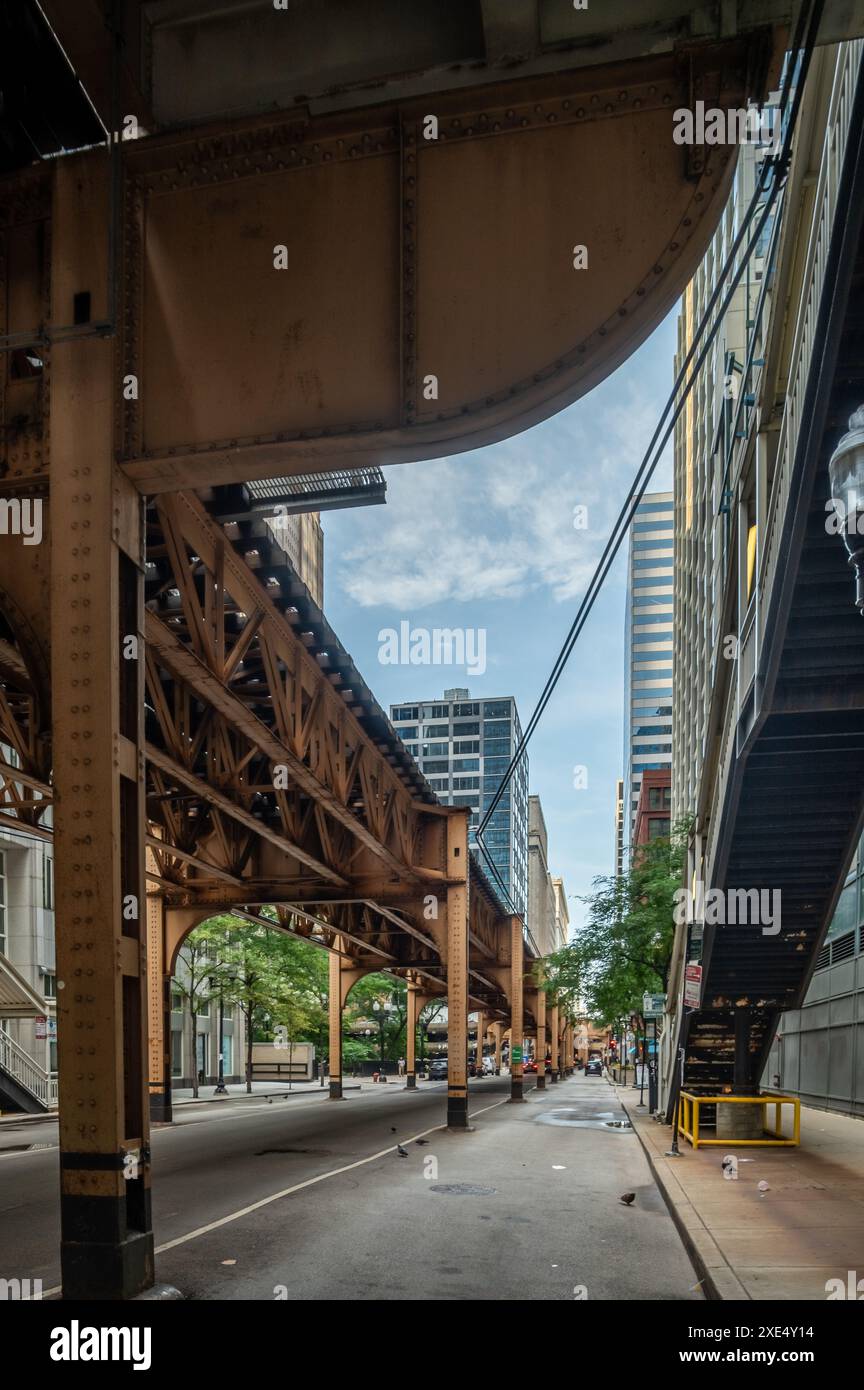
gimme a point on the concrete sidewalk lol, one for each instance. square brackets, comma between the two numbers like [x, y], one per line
[783, 1245]
[262, 1089]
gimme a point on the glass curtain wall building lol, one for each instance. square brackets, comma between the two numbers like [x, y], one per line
[648, 644]
[463, 748]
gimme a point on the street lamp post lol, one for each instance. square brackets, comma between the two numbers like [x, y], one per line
[846, 473]
[221, 1088]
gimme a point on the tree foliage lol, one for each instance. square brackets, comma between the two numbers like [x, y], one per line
[625, 947]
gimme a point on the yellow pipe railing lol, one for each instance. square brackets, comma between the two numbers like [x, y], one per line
[688, 1119]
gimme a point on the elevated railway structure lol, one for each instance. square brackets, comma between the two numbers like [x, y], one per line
[240, 243]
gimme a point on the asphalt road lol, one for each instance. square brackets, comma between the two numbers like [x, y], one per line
[308, 1199]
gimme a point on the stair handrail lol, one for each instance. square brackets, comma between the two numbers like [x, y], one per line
[26, 1070]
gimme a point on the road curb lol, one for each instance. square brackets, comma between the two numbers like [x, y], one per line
[717, 1277]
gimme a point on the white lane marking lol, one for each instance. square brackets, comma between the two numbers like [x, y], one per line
[309, 1182]
[298, 1187]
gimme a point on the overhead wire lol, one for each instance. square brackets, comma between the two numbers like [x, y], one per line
[771, 180]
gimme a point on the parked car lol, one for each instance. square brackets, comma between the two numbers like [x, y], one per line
[529, 1066]
[438, 1069]
[594, 1067]
[489, 1068]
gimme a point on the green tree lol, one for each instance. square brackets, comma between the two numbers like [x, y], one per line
[254, 974]
[625, 947]
[428, 1014]
[382, 1000]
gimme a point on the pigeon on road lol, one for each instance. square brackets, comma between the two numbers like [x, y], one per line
[628, 1199]
[403, 1153]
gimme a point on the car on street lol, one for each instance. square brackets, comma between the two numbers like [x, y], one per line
[594, 1067]
[529, 1066]
[489, 1068]
[438, 1069]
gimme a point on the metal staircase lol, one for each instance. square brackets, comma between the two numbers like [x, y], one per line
[24, 1085]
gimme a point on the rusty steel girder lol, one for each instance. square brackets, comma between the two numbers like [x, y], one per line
[428, 302]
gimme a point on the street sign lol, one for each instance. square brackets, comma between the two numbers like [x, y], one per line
[653, 1005]
[692, 986]
[516, 1054]
[46, 1027]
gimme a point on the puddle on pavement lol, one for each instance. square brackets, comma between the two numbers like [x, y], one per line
[24, 1148]
[579, 1119]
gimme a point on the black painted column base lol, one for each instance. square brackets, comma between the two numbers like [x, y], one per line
[411, 1081]
[457, 1112]
[117, 1266]
[554, 1077]
[516, 1088]
[336, 1089]
[161, 1109]
[541, 1081]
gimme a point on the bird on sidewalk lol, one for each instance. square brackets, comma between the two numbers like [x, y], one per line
[422, 1141]
[628, 1199]
[392, 1129]
[403, 1153]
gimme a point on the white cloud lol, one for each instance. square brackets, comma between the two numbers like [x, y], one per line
[498, 523]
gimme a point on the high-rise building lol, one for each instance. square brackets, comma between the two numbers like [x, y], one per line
[562, 916]
[463, 748]
[648, 643]
[619, 827]
[547, 902]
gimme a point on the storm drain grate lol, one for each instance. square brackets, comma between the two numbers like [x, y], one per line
[316, 1153]
[463, 1189]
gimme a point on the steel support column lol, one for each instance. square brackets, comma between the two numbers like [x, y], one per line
[411, 1036]
[159, 1012]
[97, 692]
[540, 1044]
[457, 971]
[335, 1018]
[743, 1073]
[517, 968]
[553, 1040]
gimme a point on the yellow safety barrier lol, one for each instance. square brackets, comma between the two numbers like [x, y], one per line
[688, 1119]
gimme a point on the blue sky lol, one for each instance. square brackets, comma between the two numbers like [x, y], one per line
[486, 540]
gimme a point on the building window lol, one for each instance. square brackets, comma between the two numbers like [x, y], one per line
[466, 765]
[176, 1051]
[176, 1001]
[227, 1053]
[410, 731]
[406, 712]
[659, 798]
[657, 826]
[48, 883]
[465, 711]
[496, 709]
[49, 986]
[436, 731]
[436, 711]
[437, 766]
[466, 745]
[435, 750]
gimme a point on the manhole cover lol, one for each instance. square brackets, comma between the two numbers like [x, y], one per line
[463, 1189]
